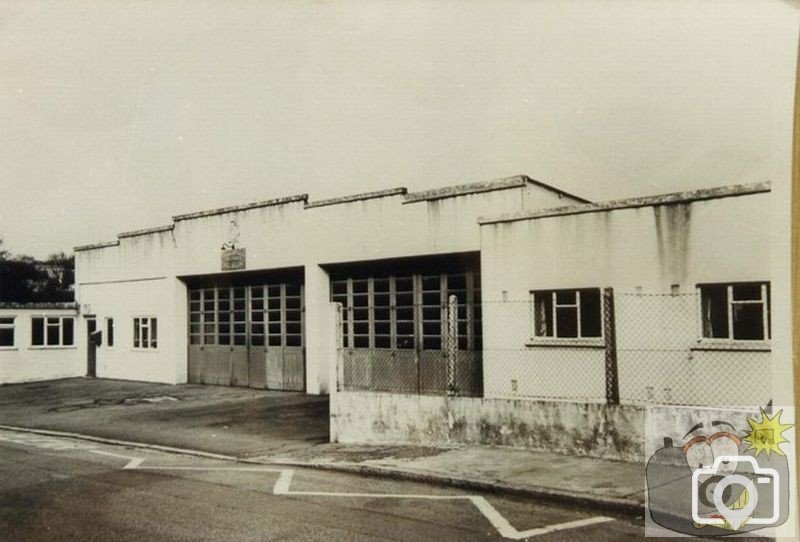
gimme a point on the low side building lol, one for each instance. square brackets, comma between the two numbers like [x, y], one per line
[40, 342]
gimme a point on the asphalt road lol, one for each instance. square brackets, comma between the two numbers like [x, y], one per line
[63, 489]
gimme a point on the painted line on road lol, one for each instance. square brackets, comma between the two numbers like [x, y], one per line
[283, 484]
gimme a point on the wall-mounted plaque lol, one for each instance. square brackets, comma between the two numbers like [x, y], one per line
[233, 259]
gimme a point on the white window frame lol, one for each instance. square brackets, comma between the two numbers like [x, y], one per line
[60, 325]
[13, 327]
[731, 302]
[148, 320]
[554, 339]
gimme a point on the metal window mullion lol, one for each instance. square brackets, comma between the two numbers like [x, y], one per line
[578, 312]
[371, 311]
[392, 313]
[765, 311]
[729, 291]
[469, 307]
[554, 312]
[444, 306]
[416, 288]
[283, 313]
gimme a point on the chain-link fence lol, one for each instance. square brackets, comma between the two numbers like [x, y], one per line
[587, 345]
[431, 349]
[607, 346]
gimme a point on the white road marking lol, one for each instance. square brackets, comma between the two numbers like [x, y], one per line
[283, 487]
[41, 442]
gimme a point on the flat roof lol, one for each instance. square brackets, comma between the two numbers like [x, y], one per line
[399, 191]
[632, 203]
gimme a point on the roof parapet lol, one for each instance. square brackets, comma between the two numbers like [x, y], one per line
[632, 203]
[516, 181]
[245, 207]
[47, 305]
[146, 231]
[399, 191]
[465, 189]
[106, 244]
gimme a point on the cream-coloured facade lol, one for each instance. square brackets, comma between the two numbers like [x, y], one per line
[241, 326]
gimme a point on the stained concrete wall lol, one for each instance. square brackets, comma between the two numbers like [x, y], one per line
[587, 429]
[655, 249]
[24, 362]
[138, 273]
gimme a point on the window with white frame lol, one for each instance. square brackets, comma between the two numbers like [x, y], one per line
[7, 331]
[52, 331]
[735, 311]
[567, 314]
[145, 332]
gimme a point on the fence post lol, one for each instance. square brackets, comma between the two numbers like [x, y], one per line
[609, 329]
[452, 343]
[339, 348]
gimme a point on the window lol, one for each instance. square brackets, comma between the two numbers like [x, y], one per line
[738, 311]
[53, 331]
[110, 332]
[6, 331]
[567, 314]
[145, 332]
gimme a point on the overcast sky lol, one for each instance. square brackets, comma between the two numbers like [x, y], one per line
[117, 115]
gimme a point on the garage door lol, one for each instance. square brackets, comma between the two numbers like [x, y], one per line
[247, 335]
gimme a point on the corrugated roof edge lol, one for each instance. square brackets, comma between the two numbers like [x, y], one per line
[483, 186]
[39, 306]
[244, 207]
[106, 244]
[146, 231]
[632, 203]
[399, 191]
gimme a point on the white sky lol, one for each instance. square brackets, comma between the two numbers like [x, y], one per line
[117, 115]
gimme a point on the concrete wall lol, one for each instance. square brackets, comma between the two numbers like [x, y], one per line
[612, 432]
[24, 362]
[657, 249]
[138, 274]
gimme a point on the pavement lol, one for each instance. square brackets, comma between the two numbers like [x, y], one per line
[284, 428]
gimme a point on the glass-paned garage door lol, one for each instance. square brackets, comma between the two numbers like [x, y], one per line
[271, 315]
[247, 335]
[394, 330]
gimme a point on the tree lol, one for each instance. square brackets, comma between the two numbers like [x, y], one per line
[24, 279]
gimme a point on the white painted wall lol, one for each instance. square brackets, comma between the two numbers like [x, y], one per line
[139, 275]
[647, 248]
[24, 362]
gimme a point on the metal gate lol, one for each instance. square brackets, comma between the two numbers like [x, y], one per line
[247, 336]
[395, 336]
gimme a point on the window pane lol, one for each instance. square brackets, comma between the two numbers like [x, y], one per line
[566, 297]
[567, 322]
[153, 332]
[383, 341]
[591, 317]
[37, 334]
[6, 321]
[6, 336]
[53, 332]
[110, 332]
[543, 314]
[748, 321]
[136, 327]
[715, 311]
[746, 292]
[68, 325]
[145, 337]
